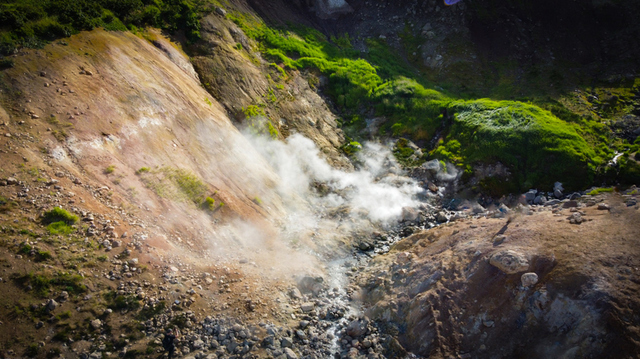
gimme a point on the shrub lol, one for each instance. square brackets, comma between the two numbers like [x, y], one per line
[110, 169]
[209, 203]
[149, 312]
[59, 215]
[351, 148]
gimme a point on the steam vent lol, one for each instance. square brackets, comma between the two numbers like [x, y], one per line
[319, 179]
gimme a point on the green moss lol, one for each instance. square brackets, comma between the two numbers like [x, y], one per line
[538, 147]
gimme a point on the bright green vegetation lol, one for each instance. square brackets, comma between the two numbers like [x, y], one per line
[110, 169]
[600, 190]
[59, 215]
[257, 121]
[351, 148]
[540, 143]
[32, 23]
[209, 203]
[60, 228]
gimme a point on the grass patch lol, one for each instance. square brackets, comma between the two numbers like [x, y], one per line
[110, 169]
[60, 228]
[42, 283]
[59, 215]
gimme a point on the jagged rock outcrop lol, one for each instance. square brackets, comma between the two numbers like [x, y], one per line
[238, 77]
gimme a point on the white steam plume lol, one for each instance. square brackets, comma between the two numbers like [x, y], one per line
[374, 188]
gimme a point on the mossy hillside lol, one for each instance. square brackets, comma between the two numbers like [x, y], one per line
[538, 146]
[32, 23]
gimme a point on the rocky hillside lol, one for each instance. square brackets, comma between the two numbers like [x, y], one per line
[558, 280]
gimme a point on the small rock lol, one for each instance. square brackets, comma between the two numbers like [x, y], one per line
[286, 342]
[540, 200]
[220, 11]
[96, 324]
[51, 305]
[409, 214]
[529, 279]
[575, 218]
[307, 307]
[64, 296]
[290, 353]
[441, 217]
[570, 204]
[499, 239]
[198, 344]
[603, 207]
[509, 261]
[365, 246]
[488, 323]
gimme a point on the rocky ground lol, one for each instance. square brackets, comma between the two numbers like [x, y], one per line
[557, 277]
[553, 280]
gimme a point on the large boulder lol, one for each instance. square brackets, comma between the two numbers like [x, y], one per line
[509, 261]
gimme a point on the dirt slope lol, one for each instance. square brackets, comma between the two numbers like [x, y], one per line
[138, 108]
